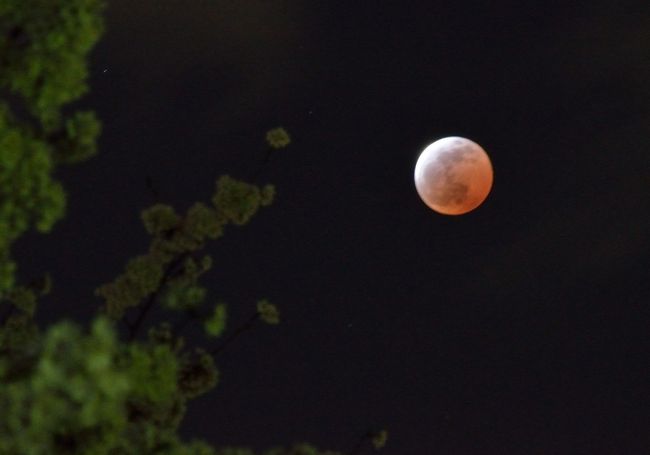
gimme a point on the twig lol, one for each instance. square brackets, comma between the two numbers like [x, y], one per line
[152, 297]
[190, 315]
[241, 329]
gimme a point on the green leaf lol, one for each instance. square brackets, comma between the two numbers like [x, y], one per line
[379, 439]
[278, 138]
[182, 296]
[153, 371]
[267, 195]
[268, 312]
[202, 221]
[23, 298]
[197, 374]
[235, 200]
[159, 218]
[145, 273]
[215, 325]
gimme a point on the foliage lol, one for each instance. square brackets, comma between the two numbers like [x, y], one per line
[198, 373]
[379, 439]
[43, 51]
[238, 201]
[268, 312]
[65, 390]
[75, 142]
[278, 138]
[70, 397]
[215, 325]
[174, 240]
[28, 195]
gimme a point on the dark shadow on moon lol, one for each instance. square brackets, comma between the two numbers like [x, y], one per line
[452, 191]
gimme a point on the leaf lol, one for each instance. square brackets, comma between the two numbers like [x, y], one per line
[268, 312]
[379, 439]
[215, 325]
[278, 138]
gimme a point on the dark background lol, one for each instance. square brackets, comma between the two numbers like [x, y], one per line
[519, 328]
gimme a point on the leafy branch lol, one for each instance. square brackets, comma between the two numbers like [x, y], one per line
[133, 328]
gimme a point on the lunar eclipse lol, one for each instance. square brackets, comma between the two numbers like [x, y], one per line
[453, 175]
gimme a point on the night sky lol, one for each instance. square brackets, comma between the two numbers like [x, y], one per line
[522, 327]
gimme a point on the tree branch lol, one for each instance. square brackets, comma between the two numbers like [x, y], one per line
[241, 329]
[189, 315]
[133, 328]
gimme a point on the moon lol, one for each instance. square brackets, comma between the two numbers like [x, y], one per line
[453, 175]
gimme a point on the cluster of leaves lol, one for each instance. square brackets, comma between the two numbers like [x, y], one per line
[17, 328]
[28, 194]
[379, 439]
[67, 391]
[43, 55]
[174, 240]
[169, 273]
[44, 46]
[278, 138]
[90, 394]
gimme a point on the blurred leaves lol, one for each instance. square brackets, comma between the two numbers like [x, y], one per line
[77, 141]
[28, 195]
[159, 219]
[198, 373]
[142, 277]
[176, 237]
[268, 312]
[90, 394]
[162, 335]
[238, 201]
[183, 297]
[379, 439]
[73, 398]
[278, 138]
[44, 47]
[43, 51]
[216, 324]
[153, 370]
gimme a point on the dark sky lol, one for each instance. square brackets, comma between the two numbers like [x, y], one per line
[520, 328]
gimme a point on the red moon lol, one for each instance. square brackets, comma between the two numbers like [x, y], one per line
[453, 175]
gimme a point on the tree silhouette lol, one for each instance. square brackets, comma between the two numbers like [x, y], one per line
[67, 390]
